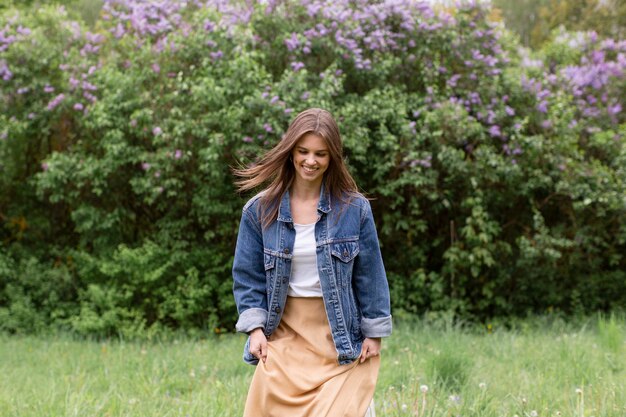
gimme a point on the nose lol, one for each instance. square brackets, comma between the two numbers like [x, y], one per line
[310, 159]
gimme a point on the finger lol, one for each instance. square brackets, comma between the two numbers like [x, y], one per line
[263, 352]
[364, 354]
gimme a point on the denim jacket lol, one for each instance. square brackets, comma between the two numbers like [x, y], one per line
[352, 275]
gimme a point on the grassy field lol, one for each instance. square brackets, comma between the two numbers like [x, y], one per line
[539, 368]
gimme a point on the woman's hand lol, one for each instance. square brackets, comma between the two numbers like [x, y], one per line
[371, 348]
[258, 344]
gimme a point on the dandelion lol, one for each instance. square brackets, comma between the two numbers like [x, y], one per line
[424, 389]
[533, 413]
[482, 385]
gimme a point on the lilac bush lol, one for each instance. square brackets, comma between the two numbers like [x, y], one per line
[496, 173]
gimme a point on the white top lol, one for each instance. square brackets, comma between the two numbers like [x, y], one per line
[305, 279]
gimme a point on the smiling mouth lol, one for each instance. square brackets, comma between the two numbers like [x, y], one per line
[309, 169]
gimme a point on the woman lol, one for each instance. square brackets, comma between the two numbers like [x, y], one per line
[309, 280]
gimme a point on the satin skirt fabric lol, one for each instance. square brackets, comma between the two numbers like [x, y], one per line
[301, 377]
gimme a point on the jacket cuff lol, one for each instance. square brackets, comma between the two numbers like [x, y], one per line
[251, 319]
[378, 327]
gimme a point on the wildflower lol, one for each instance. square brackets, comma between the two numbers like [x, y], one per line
[157, 131]
[78, 106]
[268, 127]
[482, 385]
[156, 68]
[247, 139]
[56, 101]
[177, 154]
[297, 66]
[48, 89]
[456, 399]
[424, 388]
[533, 413]
[145, 166]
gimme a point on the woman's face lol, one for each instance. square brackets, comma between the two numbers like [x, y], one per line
[310, 159]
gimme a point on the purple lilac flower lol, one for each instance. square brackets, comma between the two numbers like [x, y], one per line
[156, 68]
[216, 55]
[4, 71]
[22, 90]
[247, 139]
[48, 89]
[31, 116]
[157, 174]
[55, 101]
[178, 154]
[453, 80]
[614, 109]
[546, 124]
[305, 95]
[297, 66]
[543, 106]
[292, 42]
[494, 131]
[157, 131]
[509, 110]
[267, 127]
[145, 166]
[78, 106]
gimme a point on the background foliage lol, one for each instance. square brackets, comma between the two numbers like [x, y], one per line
[497, 174]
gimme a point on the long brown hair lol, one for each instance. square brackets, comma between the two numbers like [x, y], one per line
[276, 169]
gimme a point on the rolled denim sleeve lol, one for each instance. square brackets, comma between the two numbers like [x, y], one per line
[371, 286]
[249, 275]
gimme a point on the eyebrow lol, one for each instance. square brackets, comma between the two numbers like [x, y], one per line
[306, 149]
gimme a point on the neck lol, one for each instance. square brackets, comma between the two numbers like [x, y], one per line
[305, 191]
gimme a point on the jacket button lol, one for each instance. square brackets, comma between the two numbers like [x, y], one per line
[277, 310]
[345, 253]
[286, 250]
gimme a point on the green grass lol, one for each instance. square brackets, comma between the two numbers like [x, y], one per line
[539, 368]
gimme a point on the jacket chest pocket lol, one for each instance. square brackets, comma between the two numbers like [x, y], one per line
[343, 254]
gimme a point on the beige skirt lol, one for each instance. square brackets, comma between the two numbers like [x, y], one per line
[301, 376]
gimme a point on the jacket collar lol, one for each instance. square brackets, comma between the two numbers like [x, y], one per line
[284, 210]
